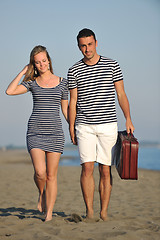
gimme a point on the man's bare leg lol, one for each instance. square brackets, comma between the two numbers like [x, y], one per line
[87, 186]
[105, 187]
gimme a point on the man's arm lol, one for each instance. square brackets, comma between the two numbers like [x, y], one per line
[72, 114]
[124, 104]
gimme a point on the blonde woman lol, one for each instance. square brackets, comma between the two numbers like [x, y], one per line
[45, 137]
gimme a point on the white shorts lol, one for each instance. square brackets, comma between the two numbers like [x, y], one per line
[95, 142]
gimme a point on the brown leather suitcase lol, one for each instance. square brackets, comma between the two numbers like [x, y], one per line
[126, 156]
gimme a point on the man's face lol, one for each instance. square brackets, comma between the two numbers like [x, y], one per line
[87, 46]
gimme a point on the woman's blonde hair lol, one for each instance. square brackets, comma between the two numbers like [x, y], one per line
[31, 74]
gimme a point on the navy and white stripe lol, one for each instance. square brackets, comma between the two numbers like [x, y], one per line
[44, 125]
[96, 92]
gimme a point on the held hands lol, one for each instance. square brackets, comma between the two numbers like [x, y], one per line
[73, 136]
[129, 126]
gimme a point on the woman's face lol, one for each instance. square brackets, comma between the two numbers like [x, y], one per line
[41, 62]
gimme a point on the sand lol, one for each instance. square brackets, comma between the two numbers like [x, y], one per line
[134, 210]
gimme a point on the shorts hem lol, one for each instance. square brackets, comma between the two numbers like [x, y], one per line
[87, 161]
[99, 162]
[104, 163]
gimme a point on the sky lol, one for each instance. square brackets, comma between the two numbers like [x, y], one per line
[127, 31]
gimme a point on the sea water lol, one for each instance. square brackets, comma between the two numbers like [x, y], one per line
[148, 157]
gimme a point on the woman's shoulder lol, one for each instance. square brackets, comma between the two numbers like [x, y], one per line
[28, 83]
[63, 84]
[63, 80]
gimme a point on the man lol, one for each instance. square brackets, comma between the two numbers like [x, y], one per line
[92, 117]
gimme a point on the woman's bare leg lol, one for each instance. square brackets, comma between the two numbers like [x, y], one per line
[38, 160]
[51, 183]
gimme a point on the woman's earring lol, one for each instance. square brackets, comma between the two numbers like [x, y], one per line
[35, 71]
[48, 67]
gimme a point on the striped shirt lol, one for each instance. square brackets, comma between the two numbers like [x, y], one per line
[45, 118]
[96, 91]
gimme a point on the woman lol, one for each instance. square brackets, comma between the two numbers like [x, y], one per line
[45, 137]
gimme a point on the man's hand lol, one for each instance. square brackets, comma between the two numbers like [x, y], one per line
[129, 126]
[73, 135]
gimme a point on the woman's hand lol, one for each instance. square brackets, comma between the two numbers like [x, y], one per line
[14, 87]
[24, 70]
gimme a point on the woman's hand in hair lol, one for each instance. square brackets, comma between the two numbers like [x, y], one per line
[24, 70]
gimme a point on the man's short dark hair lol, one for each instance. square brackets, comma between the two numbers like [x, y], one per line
[85, 33]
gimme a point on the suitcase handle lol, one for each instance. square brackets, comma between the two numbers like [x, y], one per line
[131, 137]
[128, 136]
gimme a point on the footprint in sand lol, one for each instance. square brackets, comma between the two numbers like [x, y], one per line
[76, 218]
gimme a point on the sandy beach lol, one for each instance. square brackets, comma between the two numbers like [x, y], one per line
[134, 210]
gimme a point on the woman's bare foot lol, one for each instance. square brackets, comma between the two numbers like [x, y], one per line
[42, 202]
[48, 217]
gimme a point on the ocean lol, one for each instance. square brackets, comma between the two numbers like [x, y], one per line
[148, 157]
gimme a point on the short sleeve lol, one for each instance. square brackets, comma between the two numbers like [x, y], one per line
[117, 73]
[27, 85]
[72, 83]
[65, 90]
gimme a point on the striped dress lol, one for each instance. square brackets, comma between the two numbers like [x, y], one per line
[96, 91]
[44, 125]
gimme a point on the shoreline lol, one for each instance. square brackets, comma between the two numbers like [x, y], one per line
[22, 156]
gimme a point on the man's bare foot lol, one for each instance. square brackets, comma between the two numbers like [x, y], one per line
[104, 216]
[89, 215]
[42, 202]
